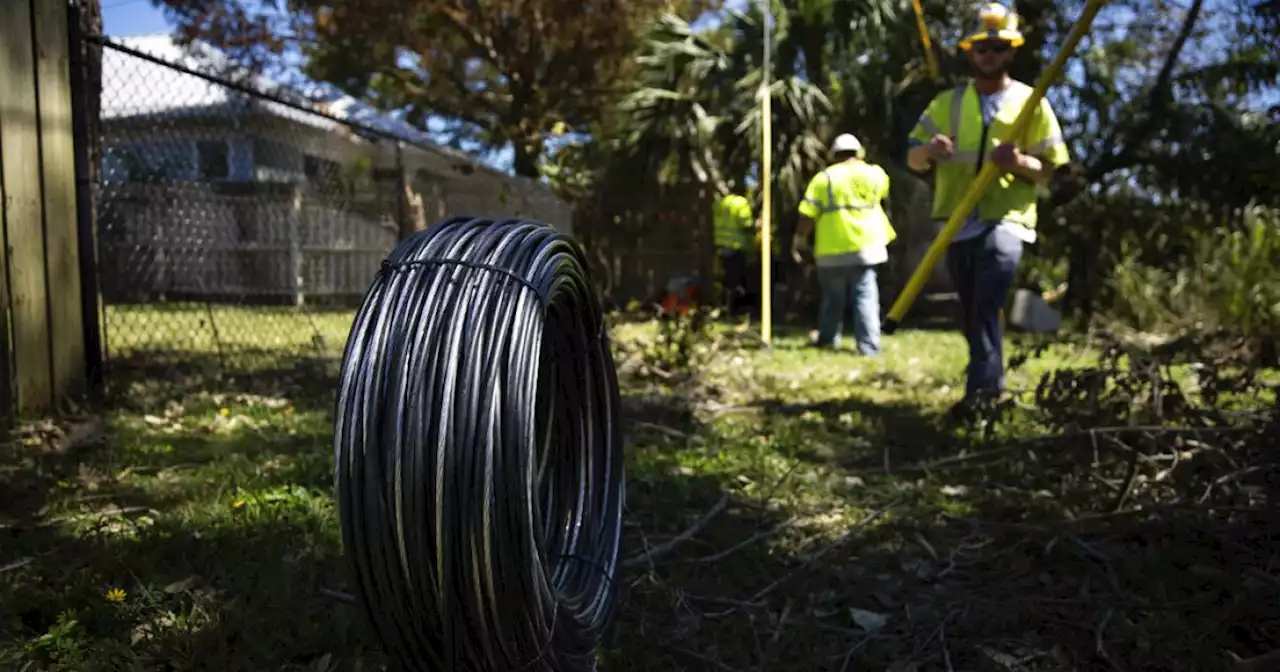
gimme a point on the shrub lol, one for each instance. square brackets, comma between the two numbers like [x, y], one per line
[1229, 279]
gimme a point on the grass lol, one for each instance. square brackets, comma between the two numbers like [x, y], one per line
[862, 530]
[177, 331]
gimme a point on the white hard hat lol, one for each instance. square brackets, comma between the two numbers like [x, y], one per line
[846, 142]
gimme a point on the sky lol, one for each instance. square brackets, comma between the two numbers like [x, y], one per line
[122, 18]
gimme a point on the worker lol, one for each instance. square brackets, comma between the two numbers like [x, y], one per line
[733, 228]
[958, 131]
[843, 207]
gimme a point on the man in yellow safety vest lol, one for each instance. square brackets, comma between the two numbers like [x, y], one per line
[733, 229]
[959, 130]
[842, 205]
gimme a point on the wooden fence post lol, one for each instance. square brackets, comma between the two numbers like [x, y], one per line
[23, 216]
[57, 164]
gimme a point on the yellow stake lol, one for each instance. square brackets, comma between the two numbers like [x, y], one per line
[988, 172]
[766, 160]
[929, 58]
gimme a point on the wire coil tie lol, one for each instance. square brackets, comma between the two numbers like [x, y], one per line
[388, 265]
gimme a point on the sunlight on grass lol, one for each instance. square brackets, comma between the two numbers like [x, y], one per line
[203, 330]
[204, 533]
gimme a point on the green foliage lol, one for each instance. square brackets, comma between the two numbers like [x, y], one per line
[1228, 279]
[681, 345]
[497, 72]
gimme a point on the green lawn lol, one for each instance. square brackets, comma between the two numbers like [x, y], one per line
[243, 336]
[201, 534]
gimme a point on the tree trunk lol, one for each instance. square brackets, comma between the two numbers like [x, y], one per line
[1084, 276]
[527, 152]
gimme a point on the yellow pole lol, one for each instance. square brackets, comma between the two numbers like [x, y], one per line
[929, 58]
[766, 217]
[988, 172]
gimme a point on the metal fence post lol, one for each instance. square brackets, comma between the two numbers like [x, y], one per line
[86, 89]
[295, 247]
[405, 222]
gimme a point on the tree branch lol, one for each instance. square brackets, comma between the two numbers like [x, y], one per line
[1156, 97]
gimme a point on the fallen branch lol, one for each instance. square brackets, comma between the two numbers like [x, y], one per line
[17, 564]
[338, 595]
[1096, 432]
[1267, 662]
[1149, 429]
[650, 554]
[673, 433]
[817, 555]
[759, 536]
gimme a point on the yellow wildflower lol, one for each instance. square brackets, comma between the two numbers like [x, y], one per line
[225, 412]
[116, 595]
[238, 504]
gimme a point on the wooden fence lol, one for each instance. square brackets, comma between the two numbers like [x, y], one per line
[42, 334]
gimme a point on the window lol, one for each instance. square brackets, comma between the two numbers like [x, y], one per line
[322, 172]
[214, 163]
[269, 154]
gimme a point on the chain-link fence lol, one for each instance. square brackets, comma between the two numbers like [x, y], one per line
[237, 227]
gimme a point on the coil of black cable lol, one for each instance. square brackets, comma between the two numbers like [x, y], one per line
[478, 452]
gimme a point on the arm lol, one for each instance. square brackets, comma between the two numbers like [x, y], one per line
[918, 158]
[1032, 168]
[804, 227]
[1039, 162]
[920, 139]
[810, 208]
[885, 203]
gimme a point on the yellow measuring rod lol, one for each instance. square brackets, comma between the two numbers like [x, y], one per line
[766, 271]
[929, 58]
[988, 172]
[766, 177]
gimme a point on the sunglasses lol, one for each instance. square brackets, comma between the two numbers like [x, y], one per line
[996, 47]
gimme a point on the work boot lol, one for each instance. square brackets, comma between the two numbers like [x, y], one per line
[974, 407]
[963, 412]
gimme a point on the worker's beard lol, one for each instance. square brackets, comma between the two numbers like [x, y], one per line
[994, 73]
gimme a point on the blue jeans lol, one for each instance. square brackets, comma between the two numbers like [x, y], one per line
[982, 269]
[838, 284]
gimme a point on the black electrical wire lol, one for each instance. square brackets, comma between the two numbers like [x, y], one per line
[479, 452]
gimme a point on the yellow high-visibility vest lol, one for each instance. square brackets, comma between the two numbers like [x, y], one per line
[732, 216]
[844, 202]
[957, 113]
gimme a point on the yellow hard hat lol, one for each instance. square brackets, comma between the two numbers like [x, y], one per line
[995, 22]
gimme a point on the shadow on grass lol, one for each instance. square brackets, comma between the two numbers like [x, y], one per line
[309, 380]
[1018, 555]
[223, 536]
[859, 434]
[210, 506]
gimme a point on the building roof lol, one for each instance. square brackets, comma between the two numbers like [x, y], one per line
[133, 87]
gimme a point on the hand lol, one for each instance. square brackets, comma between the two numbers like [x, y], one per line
[941, 148]
[798, 243]
[1006, 156]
